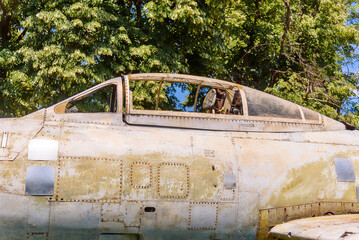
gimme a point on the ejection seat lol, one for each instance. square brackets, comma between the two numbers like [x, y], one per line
[223, 101]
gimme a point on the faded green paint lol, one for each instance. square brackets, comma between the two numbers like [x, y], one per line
[109, 172]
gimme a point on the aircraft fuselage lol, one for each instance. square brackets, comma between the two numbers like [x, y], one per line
[97, 176]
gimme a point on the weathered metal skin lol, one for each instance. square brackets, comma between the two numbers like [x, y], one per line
[120, 176]
[341, 227]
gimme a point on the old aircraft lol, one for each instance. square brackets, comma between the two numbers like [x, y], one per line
[215, 161]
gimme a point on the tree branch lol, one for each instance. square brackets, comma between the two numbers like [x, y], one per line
[249, 50]
[286, 25]
[324, 101]
[138, 8]
[21, 36]
[286, 22]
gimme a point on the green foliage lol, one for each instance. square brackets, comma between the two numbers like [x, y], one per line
[294, 49]
[50, 50]
[99, 102]
[68, 46]
[145, 94]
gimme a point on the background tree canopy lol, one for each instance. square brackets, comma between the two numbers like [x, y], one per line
[295, 49]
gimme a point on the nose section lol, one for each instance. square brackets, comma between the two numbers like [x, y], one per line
[15, 133]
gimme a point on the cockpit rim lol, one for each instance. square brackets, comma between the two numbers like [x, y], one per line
[192, 120]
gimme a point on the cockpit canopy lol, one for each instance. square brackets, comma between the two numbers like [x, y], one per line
[202, 95]
[174, 100]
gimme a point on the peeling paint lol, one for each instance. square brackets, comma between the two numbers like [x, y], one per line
[108, 172]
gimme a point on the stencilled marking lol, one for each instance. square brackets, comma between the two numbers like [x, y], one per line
[37, 236]
[173, 180]
[209, 153]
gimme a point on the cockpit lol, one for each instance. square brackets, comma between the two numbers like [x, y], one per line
[195, 102]
[184, 101]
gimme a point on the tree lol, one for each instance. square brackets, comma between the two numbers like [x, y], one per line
[297, 52]
[291, 48]
[70, 45]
